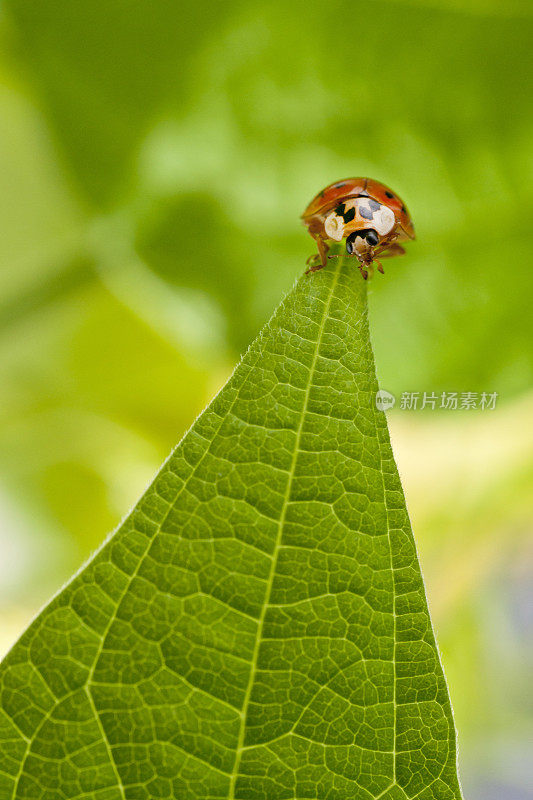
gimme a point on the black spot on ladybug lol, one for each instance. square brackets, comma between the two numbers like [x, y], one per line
[346, 215]
[389, 194]
[374, 205]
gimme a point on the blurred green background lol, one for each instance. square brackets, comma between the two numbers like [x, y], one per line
[155, 157]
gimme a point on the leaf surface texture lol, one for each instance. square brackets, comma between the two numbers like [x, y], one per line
[257, 628]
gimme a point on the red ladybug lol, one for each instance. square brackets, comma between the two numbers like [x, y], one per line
[369, 215]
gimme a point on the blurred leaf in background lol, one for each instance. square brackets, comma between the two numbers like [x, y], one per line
[139, 139]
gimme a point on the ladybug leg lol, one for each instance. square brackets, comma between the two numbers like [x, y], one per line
[314, 264]
[390, 250]
[323, 251]
[380, 267]
[319, 260]
[362, 270]
[314, 268]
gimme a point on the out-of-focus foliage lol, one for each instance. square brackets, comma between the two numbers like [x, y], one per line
[136, 140]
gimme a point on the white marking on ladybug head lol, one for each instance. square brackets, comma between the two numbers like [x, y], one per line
[383, 220]
[334, 227]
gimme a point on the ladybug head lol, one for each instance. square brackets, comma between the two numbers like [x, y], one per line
[360, 241]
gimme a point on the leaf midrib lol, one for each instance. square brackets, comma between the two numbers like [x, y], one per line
[277, 544]
[393, 578]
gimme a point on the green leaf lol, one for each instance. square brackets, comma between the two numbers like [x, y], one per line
[257, 627]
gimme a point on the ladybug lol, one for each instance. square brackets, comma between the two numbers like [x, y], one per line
[369, 215]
